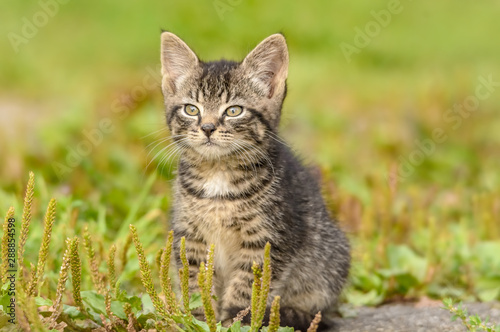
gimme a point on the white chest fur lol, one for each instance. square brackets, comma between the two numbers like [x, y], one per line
[217, 184]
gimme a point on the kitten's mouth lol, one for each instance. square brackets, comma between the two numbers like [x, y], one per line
[209, 143]
[210, 149]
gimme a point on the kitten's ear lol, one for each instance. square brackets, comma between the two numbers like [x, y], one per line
[178, 61]
[267, 65]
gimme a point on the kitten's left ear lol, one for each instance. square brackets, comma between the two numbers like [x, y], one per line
[267, 65]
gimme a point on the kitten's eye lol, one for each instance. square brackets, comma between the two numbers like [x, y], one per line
[234, 111]
[191, 110]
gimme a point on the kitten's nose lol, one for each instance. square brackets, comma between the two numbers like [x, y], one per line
[208, 128]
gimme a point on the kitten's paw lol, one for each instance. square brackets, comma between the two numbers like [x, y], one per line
[228, 322]
[198, 313]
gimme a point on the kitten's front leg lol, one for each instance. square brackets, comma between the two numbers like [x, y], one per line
[238, 292]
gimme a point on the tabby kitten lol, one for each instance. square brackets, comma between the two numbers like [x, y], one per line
[238, 186]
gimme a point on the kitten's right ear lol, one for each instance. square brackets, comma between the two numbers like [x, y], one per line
[178, 61]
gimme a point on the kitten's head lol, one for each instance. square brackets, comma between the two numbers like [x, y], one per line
[221, 108]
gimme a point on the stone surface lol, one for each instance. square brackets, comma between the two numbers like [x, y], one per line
[409, 318]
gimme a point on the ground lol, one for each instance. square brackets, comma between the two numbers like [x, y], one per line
[409, 318]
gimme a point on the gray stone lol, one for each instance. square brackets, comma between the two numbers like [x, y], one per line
[408, 318]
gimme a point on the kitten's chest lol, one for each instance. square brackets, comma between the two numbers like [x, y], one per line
[215, 181]
[215, 223]
[220, 207]
[217, 184]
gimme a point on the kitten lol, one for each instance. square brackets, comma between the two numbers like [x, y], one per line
[238, 186]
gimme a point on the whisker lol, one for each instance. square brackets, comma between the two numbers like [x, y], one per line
[165, 159]
[161, 141]
[277, 139]
[172, 155]
[162, 150]
[176, 156]
[155, 132]
[245, 155]
[260, 152]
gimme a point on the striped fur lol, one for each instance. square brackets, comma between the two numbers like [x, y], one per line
[240, 186]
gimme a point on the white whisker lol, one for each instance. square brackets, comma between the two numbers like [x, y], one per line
[162, 150]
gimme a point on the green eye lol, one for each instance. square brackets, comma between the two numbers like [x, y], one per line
[234, 111]
[191, 110]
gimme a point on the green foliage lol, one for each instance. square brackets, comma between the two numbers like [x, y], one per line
[274, 317]
[471, 322]
[260, 289]
[61, 286]
[146, 277]
[205, 276]
[111, 268]
[44, 248]
[184, 276]
[76, 272]
[25, 222]
[111, 308]
[166, 283]
[94, 265]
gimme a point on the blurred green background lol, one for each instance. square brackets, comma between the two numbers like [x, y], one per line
[80, 76]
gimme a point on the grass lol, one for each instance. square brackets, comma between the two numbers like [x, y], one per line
[434, 232]
[471, 322]
[26, 305]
